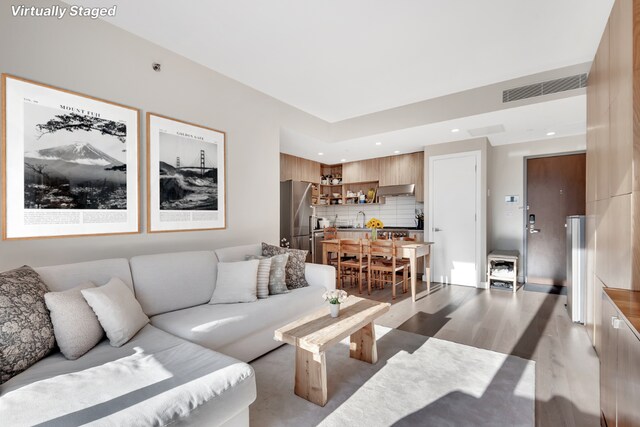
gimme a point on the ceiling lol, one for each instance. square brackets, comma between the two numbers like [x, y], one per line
[339, 59]
[564, 117]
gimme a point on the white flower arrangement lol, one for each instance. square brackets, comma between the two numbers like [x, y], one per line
[335, 296]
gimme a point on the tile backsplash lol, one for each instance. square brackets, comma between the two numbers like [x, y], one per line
[397, 211]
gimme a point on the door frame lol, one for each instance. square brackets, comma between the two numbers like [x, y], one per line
[479, 217]
[525, 204]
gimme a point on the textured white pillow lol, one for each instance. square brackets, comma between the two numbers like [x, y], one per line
[117, 309]
[236, 282]
[75, 325]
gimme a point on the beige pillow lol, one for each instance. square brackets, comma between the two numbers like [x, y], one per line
[263, 275]
[75, 325]
[117, 309]
[236, 282]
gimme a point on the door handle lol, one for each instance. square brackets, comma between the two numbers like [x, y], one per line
[436, 229]
[534, 230]
[615, 322]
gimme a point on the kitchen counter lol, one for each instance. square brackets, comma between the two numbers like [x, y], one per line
[628, 303]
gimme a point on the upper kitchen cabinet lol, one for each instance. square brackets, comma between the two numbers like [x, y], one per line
[362, 171]
[404, 169]
[298, 169]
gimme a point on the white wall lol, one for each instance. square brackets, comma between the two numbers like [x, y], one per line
[397, 211]
[506, 177]
[98, 59]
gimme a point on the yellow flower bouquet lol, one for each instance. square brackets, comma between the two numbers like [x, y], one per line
[374, 224]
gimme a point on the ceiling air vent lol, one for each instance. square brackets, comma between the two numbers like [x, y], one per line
[545, 88]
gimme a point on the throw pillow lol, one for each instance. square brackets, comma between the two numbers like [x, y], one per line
[277, 275]
[26, 332]
[263, 275]
[75, 325]
[236, 282]
[117, 309]
[295, 265]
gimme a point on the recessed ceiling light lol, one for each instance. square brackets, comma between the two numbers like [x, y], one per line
[343, 160]
[396, 152]
[551, 133]
[378, 143]
[455, 130]
[320, 154]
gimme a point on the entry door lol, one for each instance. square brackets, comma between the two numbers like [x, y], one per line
[555, 190]
[453, 189]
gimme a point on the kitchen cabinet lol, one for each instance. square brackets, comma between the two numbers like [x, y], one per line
[613, 162]
[404, 169]
[298, 169]
[619, 356]
[360, 175]
[361, 171]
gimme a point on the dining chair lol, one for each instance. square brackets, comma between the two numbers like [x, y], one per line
[353, 264]
[383, 266]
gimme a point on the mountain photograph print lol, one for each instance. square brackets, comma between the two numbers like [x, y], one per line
[186, 171]
[71, 163]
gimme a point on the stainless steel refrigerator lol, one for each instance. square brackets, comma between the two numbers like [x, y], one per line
[576, 268]
[296, 215]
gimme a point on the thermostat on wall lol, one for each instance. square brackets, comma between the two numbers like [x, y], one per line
[511, 199]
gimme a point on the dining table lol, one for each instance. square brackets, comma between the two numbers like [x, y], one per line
[409, 250]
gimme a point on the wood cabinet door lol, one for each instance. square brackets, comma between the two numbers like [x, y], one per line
[608, 362]
[361, 171]
[401, 169]
[601, 62]
[628, 385]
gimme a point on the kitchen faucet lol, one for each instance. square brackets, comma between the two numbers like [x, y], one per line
[363, 219]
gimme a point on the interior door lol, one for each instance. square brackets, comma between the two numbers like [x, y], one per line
[453, 199]
[556, 188]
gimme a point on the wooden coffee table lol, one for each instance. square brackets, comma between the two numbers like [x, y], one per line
[315, 333]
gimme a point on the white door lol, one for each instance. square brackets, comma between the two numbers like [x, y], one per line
[454, 210]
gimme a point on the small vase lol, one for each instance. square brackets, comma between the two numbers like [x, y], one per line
[335, 309]
[374, 234]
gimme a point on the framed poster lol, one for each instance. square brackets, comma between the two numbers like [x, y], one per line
[185, 176]
[70, 163]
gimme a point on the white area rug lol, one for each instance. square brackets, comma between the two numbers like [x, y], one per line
[418, 381]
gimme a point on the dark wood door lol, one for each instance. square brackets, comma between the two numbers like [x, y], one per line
[555, 190]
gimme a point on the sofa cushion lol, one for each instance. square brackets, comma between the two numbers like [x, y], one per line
[166, 379]
[236, 282]
[295, 264]
[215, 326]
[119, 313]
[26, 332]
[238, 253]
[75, 325]
[173, 281]
[278, 274]
[67, 276]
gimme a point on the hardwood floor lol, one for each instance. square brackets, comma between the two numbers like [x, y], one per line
[530, 325]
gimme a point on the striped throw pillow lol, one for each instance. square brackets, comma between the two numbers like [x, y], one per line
[263, 275]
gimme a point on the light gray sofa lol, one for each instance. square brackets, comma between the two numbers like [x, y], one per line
[186, 367]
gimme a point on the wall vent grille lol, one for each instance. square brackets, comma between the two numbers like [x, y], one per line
[545, 88]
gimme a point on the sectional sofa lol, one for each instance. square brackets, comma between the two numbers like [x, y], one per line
[186, 367]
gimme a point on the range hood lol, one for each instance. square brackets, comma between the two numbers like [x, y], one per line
[396, 190]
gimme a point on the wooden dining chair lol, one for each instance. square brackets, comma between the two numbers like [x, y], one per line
[353, 263]
[383, 266]
[331, 233]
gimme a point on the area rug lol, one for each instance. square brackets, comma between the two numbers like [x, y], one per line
[418, 381]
